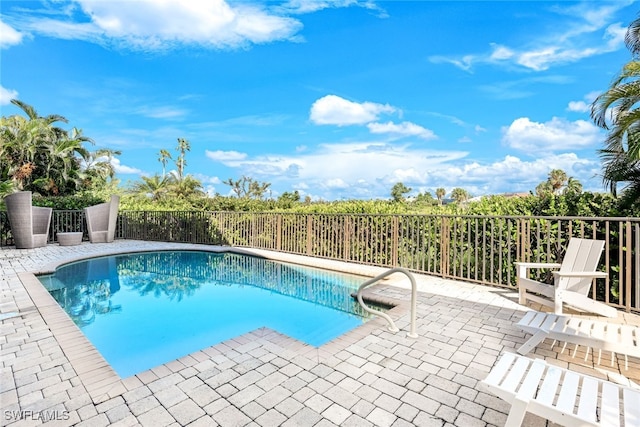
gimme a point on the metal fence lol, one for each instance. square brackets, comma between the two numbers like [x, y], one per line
[479, 249]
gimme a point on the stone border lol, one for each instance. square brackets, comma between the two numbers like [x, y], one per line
[103, 383]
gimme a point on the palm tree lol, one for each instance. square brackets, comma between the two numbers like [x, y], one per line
[39, 156]
[154, 186]
[61, 168]
[188, 186]
[163, 157]
[440, 192]
[573, 186]
[544, 189]
[460, 195]
[181, 161]
[616, 110]
[98, 166]
[557, 180]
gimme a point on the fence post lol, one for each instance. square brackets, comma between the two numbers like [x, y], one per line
[444, 246]
[279, 232]
[346, 238]
[627, 287]
[395, 244]
[309, 234]
[524, 241]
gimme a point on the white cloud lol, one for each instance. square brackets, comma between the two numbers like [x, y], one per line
[480, 179]
[308, 6]
[122, 169]
[159, 25]
[335, 183]
[334, 110]
[465, 63]
[520, 88]
[555, 135]
[541, 59]
[208, 183]
[206, 179]
[6, 95]
[162, 112]
[369, 170]
[583, 106]
[501, 52]
[9, 36]
[578, 106]
[587, 32]
[402, 129]
[225, 156]
[363, 169]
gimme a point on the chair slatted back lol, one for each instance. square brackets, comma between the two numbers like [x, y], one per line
[583, 255]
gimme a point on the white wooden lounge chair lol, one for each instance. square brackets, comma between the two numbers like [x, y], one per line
[29, 224]
[571, 283]
[101, 221]
[613, 337]
[559, 395]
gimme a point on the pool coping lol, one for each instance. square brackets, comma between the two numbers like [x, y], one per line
[103, 383]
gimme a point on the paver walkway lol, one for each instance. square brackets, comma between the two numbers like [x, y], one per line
[368, 377]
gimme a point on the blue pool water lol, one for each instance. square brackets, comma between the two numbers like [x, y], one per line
[145, 309]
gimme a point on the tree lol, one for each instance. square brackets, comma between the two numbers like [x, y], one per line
[248, 187]
[573, 187]
[99, 165]
[163, 157]
[558, 183]
[557, 179]
[440, 193]
[178, 184]
[398, 191]
[288, 199]
[36, 155]
[616, 110]
[188, 186]
[257, 189]
[424, 198]
[154, 187]
[460, 195]
[544, 189]
[181, 161]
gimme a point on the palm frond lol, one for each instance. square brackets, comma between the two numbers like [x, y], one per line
[632, 37]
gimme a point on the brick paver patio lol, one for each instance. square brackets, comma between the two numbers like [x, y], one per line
[368, 377]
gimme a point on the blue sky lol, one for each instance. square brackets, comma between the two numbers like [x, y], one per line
[336, 99]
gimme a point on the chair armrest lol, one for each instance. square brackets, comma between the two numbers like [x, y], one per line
[538, 264]
[594, 274]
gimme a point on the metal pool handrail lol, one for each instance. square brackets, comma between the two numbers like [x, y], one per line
[392, 326]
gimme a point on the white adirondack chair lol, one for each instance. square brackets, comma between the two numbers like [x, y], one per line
[572, 281]
[599, 335]
[564, 397]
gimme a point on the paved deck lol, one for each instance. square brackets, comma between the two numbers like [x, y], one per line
[368, 377]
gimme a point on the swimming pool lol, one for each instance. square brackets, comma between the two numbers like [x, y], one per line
[141, 310]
